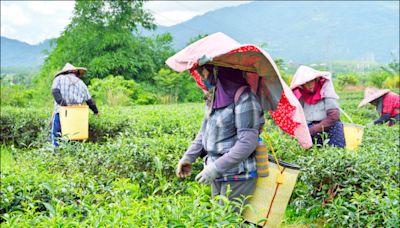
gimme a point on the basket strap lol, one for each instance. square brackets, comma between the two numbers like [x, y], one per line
[239, 92]
[272, 202]
[345, 114]
[273, 151]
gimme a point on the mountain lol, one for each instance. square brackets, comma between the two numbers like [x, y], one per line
[17, 54]
[305, 32]
[300, 32]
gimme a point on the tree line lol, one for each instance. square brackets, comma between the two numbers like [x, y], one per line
[126, 67]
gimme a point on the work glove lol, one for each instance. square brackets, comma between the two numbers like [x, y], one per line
[184, 168]
[208, 175]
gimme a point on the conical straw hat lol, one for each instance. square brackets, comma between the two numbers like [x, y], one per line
[371, 94]
[70, 68]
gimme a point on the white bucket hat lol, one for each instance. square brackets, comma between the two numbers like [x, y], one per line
[70, 68]
[371, 94]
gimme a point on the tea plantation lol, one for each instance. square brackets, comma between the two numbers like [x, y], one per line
[124, 175]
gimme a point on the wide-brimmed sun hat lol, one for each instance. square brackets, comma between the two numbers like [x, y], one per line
[371, 94]
[70, 68]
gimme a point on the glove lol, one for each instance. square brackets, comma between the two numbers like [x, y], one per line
[208, 175]
[184, 168]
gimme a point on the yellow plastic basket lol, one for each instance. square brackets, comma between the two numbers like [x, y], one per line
[353, 134]
[74, 122]
[272, 194]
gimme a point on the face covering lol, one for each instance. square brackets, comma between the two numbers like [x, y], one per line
[229, 80]
[312, 97]
[208, 84]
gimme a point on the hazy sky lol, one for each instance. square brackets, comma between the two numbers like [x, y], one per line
[35, 21]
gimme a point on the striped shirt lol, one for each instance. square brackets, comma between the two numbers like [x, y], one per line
[73, 90]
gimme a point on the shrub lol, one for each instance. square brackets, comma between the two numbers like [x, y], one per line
[113, 91]
[24, 127]
[145, 98]
[19, 96]
[177, 87]
[392, 82]
[347, 79]
[377, 78]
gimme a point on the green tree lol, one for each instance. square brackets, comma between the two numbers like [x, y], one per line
[196, 38]
[125, 15]
[117, 91]
[168, 82]
[189, 91]
[113, 91]
[103, 37]
[377, 78]
[100, 38]
[177, 87]
[161, 49]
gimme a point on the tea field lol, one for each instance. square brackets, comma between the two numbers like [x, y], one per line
[124, 175]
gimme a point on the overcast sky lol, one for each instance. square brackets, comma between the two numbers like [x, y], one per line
[35, 21]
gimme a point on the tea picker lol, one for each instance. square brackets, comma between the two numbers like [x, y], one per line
[220, 67]
[315, 91]
[387, 104]
[70, 116]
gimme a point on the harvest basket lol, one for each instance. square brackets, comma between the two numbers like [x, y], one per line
[74, 122]
[353, 134]
[272, 194]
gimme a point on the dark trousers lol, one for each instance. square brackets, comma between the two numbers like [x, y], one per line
[239, 190]
[55, 129]
[394, 120]
[334, 134]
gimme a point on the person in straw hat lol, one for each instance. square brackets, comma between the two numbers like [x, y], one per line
[314, 89]
[387, 104]
[68, 89]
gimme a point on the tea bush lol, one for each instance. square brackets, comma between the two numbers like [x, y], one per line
[30, 127]
[333, 181]
[32, 197]
[24, 127]
[125, 174]
[17, 95]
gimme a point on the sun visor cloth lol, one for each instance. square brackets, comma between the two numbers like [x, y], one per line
[259, 70]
